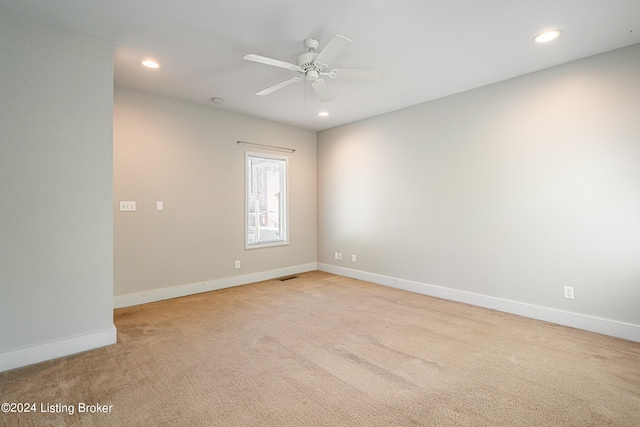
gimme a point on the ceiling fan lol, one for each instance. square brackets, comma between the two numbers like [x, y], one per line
[314, 65]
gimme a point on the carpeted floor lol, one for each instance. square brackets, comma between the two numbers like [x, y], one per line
[324, 350]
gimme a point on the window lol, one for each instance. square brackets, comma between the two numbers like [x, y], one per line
[266, 200]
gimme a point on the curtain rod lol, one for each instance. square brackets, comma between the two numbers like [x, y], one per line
[268, 147]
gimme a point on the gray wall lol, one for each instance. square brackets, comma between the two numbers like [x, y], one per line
[186, 156]
[512, 190]
[56, 224]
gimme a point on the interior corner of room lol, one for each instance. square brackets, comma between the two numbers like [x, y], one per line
[501, 196]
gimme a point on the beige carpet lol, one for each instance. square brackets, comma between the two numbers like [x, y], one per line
[324, 350]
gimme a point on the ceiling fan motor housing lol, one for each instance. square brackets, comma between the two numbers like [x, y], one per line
[306, 61]
[308, 65]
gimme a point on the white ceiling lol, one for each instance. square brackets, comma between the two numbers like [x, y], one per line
[426, 49]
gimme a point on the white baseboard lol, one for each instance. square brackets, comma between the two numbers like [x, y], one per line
[137, 298]
[64, 347]
[579, 321]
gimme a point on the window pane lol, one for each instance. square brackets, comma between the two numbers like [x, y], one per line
[266, 199]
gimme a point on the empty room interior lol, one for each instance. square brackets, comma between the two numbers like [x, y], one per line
[328, 214]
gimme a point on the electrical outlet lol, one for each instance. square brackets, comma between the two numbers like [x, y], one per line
[237, 264]
[340, 256]
[353, 258]
[568, 292]
[336, 255]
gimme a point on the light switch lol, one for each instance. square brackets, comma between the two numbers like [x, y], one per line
[159, 206]
[127, 206]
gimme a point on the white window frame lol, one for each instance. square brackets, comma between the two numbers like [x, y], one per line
[283, 202]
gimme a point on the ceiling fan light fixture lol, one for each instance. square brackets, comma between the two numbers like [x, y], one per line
[149, 63]
[547, 36]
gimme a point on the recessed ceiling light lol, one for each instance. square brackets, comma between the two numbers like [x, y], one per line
[323, 114]
[149, 63]
[217, 100]
[547, 36]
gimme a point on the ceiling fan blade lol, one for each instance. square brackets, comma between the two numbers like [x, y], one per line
[321, 90]
[334, 48]
[355, 74]
[277, 86]
[270, 61]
